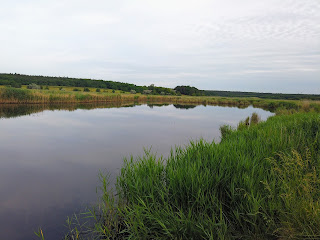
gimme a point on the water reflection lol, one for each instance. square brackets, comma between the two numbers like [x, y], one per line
[16, 110]
[50, 155]
[184, 106]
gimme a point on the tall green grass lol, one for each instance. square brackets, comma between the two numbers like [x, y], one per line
[260, 182]
[16, 95]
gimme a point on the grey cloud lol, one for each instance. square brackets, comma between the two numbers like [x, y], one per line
[228, 45]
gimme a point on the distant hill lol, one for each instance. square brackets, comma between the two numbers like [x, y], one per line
[192, 91]
[16, 80]
[262, 95]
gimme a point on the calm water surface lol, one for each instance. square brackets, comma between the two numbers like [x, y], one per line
[49, 160]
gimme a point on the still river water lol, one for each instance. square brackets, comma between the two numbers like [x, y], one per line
[50, 159]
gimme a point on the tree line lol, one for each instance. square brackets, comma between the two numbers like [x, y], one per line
[262, 95]
[16, 80]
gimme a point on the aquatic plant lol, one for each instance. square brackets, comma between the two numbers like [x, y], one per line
[259, 183]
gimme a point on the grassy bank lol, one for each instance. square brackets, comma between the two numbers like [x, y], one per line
[26, 96]
[261, 182]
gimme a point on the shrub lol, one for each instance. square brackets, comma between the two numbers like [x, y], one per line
[33, 86]
[76, 90]
[147, 91]
[86, 89]
[98, 90]
[15, 85]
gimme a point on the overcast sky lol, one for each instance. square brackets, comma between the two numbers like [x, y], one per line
[245, 45]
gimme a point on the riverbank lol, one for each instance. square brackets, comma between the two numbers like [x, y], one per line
[27, 96]
[261, 182]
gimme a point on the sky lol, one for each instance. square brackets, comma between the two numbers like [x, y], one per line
[247, 45]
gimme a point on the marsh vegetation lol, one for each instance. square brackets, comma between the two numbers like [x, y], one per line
[261, 182]
[70, 96]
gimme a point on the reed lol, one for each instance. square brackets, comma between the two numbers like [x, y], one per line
[260, 182]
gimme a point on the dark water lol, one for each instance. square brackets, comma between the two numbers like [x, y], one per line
[50, 159]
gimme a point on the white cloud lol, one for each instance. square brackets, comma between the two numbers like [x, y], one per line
[203, 43]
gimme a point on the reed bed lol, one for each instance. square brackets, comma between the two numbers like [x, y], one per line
[19, 96]
[260, 182]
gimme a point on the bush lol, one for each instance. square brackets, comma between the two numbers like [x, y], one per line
[147, 91]
[98, 90]
[33, 86]
[76, 90]
[86, 90]
[15, 85]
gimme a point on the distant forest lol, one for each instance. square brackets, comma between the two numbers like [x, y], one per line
[262, 95]
[192, 91]
[16, 80]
